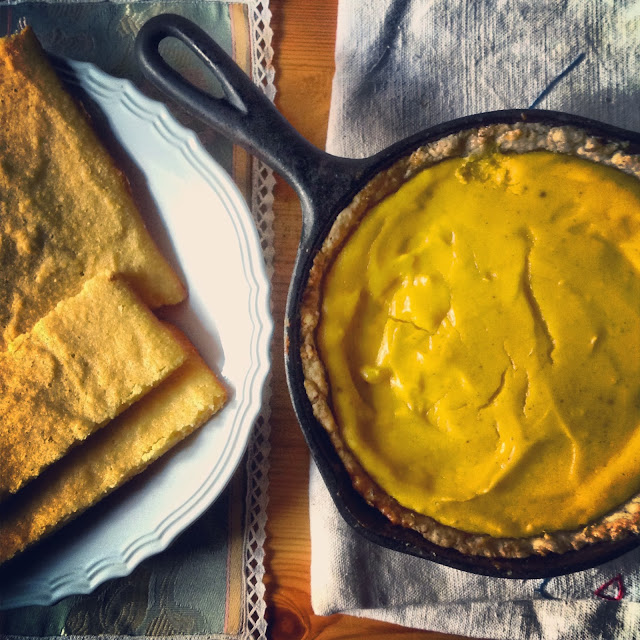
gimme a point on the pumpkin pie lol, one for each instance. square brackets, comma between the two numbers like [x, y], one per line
[471, 340]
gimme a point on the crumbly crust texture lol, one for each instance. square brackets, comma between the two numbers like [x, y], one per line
[522, 137]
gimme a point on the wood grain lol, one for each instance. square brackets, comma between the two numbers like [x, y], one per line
[304, 40]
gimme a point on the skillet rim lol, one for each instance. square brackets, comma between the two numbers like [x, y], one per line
[366, 520]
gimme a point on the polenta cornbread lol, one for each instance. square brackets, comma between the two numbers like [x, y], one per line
[82, 364]
[66, 212]
[472, 342]
[119, 451]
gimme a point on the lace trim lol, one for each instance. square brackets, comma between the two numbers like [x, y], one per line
[263, 182]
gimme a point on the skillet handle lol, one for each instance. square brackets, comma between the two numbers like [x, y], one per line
[247, 117]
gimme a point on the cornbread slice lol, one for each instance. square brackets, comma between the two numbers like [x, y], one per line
[124, 448]
[66, 212]
[81, 365]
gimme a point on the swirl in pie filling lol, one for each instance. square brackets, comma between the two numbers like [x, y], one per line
[480, 331]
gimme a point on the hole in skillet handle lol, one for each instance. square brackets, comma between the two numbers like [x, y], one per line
[246, 116]
[224, 114]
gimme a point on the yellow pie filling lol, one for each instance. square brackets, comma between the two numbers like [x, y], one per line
[481, 335]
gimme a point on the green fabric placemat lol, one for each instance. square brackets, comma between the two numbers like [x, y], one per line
[180, 591]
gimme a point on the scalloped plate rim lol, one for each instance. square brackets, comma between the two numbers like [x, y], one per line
[118, 90]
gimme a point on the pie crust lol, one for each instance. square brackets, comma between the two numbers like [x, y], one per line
[507, 138]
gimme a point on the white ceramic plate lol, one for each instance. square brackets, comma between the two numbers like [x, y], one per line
[205, 228]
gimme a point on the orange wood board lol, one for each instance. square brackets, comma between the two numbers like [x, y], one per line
[304, 41]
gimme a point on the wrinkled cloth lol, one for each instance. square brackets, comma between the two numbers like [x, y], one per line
[402, 66]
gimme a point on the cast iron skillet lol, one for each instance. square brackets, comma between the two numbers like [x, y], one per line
[325, 185]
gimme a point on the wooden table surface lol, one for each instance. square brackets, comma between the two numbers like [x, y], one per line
[304, 39]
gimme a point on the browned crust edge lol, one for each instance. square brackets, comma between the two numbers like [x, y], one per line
[508, 138]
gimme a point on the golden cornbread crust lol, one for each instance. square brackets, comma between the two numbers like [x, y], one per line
[93, 386]
[66, 211]
[507, 138]
[80, 366]
[118, 452]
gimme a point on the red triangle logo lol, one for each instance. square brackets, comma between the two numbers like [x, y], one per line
[612, 589]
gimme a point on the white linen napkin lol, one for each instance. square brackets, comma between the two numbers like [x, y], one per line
[404, 65]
